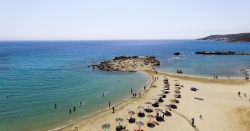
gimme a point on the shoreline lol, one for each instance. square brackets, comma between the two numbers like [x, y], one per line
[105, 110]
[232, 80]
[222, 77]
[125, 103]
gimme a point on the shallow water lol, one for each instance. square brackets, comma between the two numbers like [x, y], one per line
[36, 75]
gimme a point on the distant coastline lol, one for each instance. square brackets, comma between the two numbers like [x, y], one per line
[221, 53]
[240, 37]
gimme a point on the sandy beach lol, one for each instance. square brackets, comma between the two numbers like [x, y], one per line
[215, 106]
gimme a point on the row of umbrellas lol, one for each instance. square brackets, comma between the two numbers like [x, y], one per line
[140, 123]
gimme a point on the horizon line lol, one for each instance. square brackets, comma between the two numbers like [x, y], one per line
[92, 39]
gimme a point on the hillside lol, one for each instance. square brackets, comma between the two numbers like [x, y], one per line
[241, 37]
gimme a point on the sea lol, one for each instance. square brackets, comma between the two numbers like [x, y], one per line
[36, 75]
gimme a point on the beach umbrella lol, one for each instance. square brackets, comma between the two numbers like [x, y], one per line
[166, 92]
[177, 91]
[173, 106]
[140, 107]
[106, 126]
[160, 94]
[148, 103]
[150, 117]
[160, 110]
[119, 120]
[139, 123]
[131, 113]
[178, 88]
[174, 101]
[177, 96]
[155, 99]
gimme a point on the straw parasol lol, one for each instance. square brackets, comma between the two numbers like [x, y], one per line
[174, 101]
[177, 88]
[177, 91]
[148, 103]
[140, 107]
[160, 94]
[119, 120]
[150, 117]
[131, 113]
[173, 106]
[155, 99]
[177, 96]
[139, 123]
[106, 126]
[160, 110]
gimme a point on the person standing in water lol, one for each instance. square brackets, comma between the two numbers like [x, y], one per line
[109, 103]
[55, 106]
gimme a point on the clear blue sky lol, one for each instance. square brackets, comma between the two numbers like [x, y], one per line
[121, 19]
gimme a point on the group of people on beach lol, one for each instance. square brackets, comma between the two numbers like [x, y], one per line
[245, 95]
[239, 94]
[156, 78]
[215, 77]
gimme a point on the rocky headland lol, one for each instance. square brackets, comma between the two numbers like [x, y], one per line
[222, 53]
[240, 37]
[129, 64]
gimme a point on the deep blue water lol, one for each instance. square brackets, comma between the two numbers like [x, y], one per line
[36, 75]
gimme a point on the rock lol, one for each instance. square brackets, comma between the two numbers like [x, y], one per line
[177, 53]
[129, 63]
[222, 53]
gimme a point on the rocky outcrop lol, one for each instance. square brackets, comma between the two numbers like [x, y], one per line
[241, 37]
[129, 64]
[221, 53]
[177, 53]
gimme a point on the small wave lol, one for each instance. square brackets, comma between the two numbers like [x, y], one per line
[245, 70]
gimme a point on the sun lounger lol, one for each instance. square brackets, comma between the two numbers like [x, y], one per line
[131, 120]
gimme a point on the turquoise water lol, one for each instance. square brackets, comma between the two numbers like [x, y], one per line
[36, 75]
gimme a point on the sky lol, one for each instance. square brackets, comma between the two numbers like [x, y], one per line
[121, 19]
